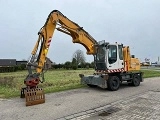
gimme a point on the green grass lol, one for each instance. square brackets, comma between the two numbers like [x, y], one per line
[151, 73]
[55, 80]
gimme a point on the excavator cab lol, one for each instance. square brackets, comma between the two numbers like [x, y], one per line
[100, 56]
[109, 56]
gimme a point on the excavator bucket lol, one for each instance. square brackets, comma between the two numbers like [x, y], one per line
[34, 96]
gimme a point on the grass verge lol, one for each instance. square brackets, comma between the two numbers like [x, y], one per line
[56, 80]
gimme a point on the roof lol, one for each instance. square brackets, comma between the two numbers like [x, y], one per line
[7, 62]
[49, 60]
[21, 62]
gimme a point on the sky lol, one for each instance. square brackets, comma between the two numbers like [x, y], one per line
[135, 23]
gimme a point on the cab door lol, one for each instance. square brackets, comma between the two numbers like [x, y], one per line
[115, 57]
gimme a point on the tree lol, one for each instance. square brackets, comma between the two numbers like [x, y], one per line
[87, 65]
[79, 57]
[67, 65]
[74, 64]
[92, 65]
[81, 65]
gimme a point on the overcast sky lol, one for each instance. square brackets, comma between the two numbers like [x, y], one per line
[135, 23]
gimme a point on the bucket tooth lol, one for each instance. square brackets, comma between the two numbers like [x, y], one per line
[34, 96]
[23, 92]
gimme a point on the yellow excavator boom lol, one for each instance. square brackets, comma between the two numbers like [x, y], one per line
[55, 20]
[78, 34]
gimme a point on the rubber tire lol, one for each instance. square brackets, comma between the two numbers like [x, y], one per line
[113, 83]
[92, 86]
[136, 80]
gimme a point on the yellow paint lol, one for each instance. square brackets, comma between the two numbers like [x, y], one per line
[131, 64]
[78, 34]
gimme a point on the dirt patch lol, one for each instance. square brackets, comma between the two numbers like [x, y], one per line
[7, 81]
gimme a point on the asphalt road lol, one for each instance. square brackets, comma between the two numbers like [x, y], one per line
[62, 104]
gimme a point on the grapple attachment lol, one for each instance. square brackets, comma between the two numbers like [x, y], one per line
[33, 96]
[32, 93]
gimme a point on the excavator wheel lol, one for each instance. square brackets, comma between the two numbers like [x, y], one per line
[136, 80]
[33, 96]
[113, 83]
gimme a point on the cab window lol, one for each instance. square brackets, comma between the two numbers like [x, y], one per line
[120, 47]
[112, 54]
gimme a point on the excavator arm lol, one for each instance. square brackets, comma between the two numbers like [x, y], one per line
[63, 24]
[55, 20]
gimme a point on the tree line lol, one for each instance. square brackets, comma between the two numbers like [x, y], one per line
[71, 65]
[12, 68]
[78, 61]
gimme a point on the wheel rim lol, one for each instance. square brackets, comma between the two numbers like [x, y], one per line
[114, 83]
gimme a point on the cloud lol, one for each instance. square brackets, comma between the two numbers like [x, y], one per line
[133, 23]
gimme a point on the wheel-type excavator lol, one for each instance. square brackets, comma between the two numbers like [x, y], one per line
[113, 62]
